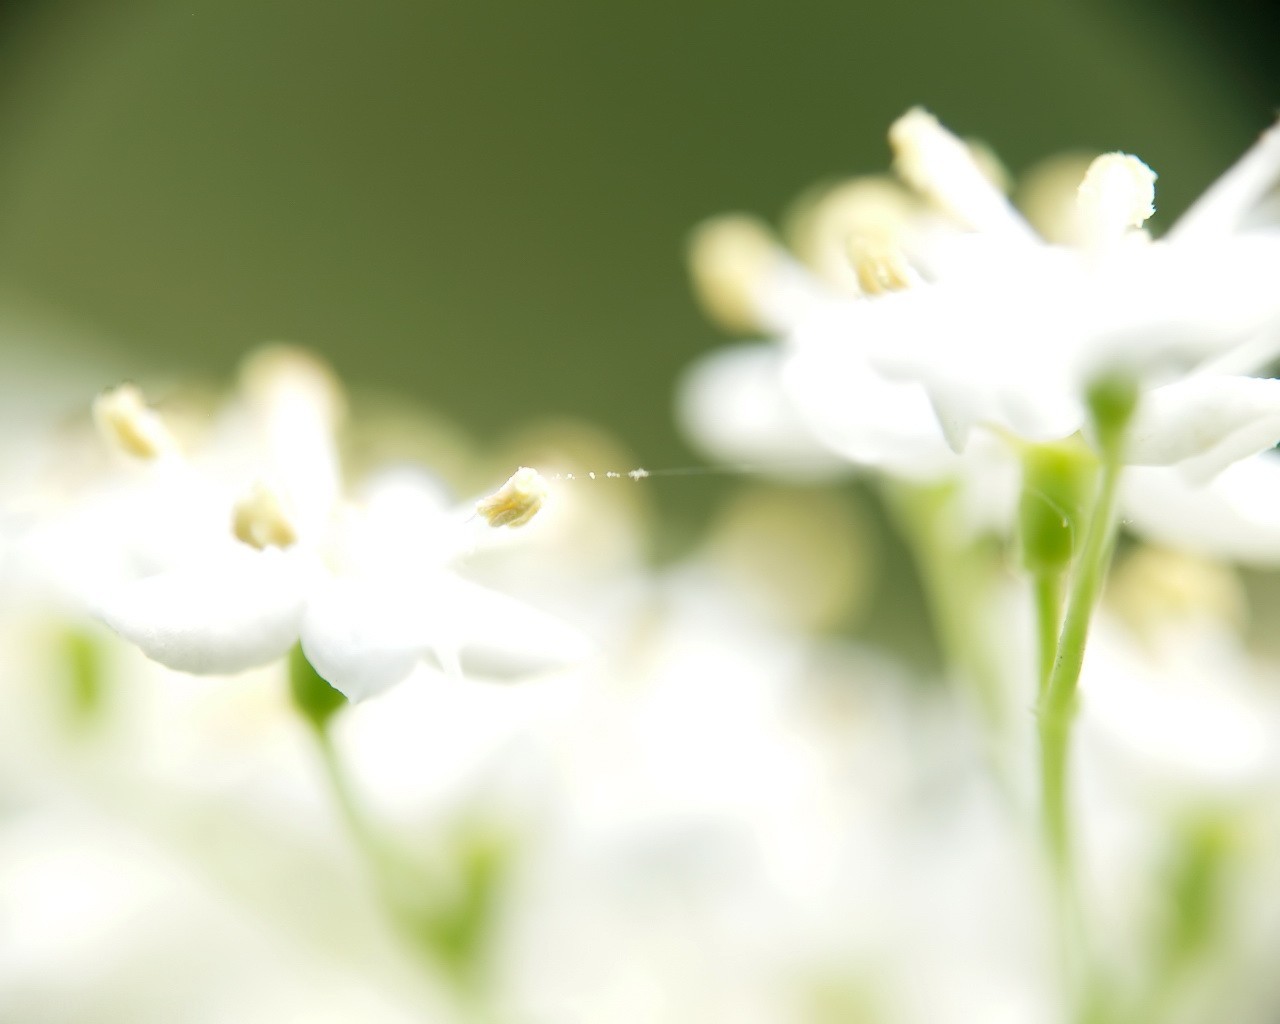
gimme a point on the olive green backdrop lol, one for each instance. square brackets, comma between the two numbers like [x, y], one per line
[482, 204]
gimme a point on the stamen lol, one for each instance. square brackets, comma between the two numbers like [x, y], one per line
[1047, 196]
[943, 167]
[872, 207]
[731, 259]
[259, 520]
[125, 421]
[1118, 193]
[881, 267]
[515, 502]
[279, 375]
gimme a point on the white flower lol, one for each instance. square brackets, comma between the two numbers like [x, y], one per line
[261, 550]
[1011, 331]
[791, 408]
[928, 314]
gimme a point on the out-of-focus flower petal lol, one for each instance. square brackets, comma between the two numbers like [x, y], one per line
[1206, 423]
[732, 404]
[1226, 204]
[1236, 516]
[497, 636]
[359, 637]
[1190, 717]
[365, 634]
[863, 416]
[212, 618]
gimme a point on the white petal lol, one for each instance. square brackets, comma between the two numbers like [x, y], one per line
[732, 404]
[1206, 423]
[1191, 716]
[1174, 306]
[360, 636]
[1227, 202]
[1236, 516]
[865, 417]
[497, 636]
[211, 618]
[401, 524]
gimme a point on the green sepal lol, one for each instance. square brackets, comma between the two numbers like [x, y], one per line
[315, 698]
[1058, 482]
[1112, 400]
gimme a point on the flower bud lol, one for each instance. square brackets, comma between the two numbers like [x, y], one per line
[1057, 487]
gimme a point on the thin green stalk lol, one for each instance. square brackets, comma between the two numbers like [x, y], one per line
[371, 846]
[397, 882]
[1058, 705]
[1048, 597]
[951, 574]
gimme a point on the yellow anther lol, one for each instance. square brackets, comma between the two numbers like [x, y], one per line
[515, 502]
[880, 267]
[124, 419]
[259, 520]
[822, 223]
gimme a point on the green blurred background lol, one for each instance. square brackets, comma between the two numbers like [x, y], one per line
[482, 205]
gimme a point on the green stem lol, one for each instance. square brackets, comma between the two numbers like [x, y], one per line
[1057, 706]
[374, 850]
[1059, 684]
[1048, 596]
[398, 882]
[952, 575]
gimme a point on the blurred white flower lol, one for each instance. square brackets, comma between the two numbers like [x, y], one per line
[1169, 685]
[1235, 516]
[219, 565]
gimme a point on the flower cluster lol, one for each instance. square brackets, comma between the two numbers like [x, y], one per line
[922, 327]
[221, 560]
[972, 754]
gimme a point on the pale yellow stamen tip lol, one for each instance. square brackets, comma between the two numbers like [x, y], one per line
[123, 418]
[821, 224]
[280, 373]
[515, 502]
[1118, 192]
[259, 520]
[957, 177]
[920, 144]
[881, 267]
[730, 258]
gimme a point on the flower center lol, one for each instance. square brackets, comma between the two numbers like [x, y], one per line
[129, 425]
[515, 502]
[881, 266]
[259, 520]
